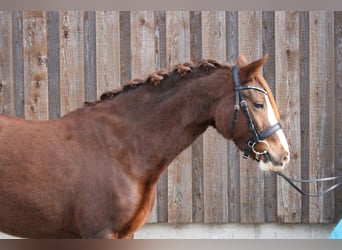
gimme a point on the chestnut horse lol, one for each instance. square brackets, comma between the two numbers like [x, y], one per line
[93, 173]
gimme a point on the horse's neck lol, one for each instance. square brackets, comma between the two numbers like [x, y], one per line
[160, 125]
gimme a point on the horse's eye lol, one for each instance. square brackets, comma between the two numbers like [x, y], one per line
[258, 105]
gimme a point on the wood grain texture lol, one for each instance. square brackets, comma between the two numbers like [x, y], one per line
[304, 75]
[214, 145]
[89, 27]
[6, 69]
[18, 63]
[160, 54]
[35, 65]
[321, 114]
[71, 60]
[197, 146]
[53, 65]
[125, 47]
[338, 108]
[78, 55]
[179, 171]
[107, 51]
[233, 169]
[143, 57]
[268, 47]
[142, 43]
[287, 96]
[251, 177]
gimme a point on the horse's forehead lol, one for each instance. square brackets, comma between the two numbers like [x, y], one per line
[261, 80]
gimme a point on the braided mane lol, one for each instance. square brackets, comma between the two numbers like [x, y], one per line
[157, 77]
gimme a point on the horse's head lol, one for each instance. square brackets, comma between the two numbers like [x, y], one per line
[255, 126]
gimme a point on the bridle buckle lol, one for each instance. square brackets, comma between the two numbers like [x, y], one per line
[240, 101]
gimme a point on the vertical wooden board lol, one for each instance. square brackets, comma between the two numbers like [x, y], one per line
[71, 60]
[305, 106]
[251, 177]
[196, 35]
[321, 113]
[233, 170]
[214, 145]
[160, 38]
[142, 43]
[107, 51]
[35, 65]
[6, 69]
[160, 54]
[179, 189]
[197, 146]
[288, 100]
[125, 46]
[338, 108]
[18, 63]
[232, 36]
[268, 45]
[143, 57]
[90, 55]
[179, 171]
[53, 64]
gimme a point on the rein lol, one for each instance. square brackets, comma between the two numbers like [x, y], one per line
[260, 136]
[291, 182]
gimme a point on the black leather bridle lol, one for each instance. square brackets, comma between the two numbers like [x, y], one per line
[241, 102]
[260, 136]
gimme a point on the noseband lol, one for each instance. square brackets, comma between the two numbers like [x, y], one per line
[260, 136]
[241, 102]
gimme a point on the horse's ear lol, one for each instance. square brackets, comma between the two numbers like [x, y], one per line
[241, 61]
[250, 70]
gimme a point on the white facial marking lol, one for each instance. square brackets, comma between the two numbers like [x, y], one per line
[264, 166]
[273, 120]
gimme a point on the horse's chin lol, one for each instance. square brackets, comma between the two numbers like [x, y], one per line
[269, 167]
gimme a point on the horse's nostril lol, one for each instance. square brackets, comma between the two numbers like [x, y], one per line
[286, 157]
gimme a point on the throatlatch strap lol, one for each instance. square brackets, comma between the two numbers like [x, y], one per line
[241, 102]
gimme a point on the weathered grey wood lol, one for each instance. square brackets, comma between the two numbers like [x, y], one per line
[89, 28]
[252, 178]
[287, 95]
[142, 43]
[321, 113]
[6, 69]
[125, 46]
[143, 56]
[232, 36]
[35, 65]
[53, 57]
[18, 63]
[160, 47]
[214, 145]
[197, 146]
[179, 171]
[107, 51]
[338, 108]
[233, 171]
[83, 54]
[268, 45]
[71, 60]
[304, 75]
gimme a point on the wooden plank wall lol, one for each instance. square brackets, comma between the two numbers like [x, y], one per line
[53, 61]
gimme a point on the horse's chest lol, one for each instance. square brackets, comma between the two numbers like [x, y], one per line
[142, 213]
